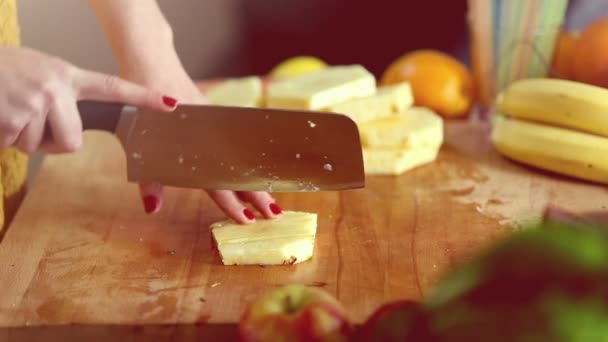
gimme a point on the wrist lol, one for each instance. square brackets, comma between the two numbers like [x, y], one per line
[154, 52]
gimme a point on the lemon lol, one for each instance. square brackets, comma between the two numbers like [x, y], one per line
[297, 65]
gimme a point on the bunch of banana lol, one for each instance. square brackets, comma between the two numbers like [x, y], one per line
[556, 125]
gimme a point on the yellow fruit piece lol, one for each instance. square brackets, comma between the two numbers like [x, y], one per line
[418, 126]
[563, 103]
[288, 239]
[321, 89]
[556, 149]
[297, 66]
[240, 92]
[395, 161]
[387, 101]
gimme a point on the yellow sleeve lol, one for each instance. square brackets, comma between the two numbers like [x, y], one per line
[13, 163]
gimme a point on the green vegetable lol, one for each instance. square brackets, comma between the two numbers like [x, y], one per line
[546, 283]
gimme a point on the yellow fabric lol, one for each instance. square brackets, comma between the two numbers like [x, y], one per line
[13, 163]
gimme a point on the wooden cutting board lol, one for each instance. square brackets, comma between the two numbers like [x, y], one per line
[82, 251]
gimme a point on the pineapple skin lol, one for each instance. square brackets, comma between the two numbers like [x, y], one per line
[285, 240]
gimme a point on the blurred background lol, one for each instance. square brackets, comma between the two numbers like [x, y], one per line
[219, 38]
[232, 38]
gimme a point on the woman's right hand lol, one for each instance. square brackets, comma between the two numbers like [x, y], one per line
[39, 91]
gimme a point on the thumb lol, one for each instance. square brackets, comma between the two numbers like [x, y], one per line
[91, 85]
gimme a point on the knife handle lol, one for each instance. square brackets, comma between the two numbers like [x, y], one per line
[96, 115]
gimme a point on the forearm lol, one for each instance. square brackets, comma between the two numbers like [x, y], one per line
[141, 40]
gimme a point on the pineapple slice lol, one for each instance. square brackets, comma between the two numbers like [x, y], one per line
[240, 92]
[378, 161]
[386, 102]
[289, 239]
[418, 126]
[320, 89]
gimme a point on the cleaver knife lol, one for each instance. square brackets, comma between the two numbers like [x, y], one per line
[233, 148]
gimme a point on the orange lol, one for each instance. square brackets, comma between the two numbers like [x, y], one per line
[590, 63]
[563, 56]
[439, 81]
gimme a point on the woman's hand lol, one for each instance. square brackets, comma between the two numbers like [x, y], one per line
[142, 42]
[229, 201]
[39, 92]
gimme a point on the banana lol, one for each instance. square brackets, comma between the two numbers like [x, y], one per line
[562, 103]
[565, 151]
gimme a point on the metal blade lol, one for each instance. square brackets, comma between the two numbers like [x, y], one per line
[243, 149]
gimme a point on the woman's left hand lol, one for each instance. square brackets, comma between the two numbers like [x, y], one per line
[232, 203]
[142, 41]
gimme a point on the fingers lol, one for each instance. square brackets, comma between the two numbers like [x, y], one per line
[31, 137]
[65, 127]
[101, 87]
[10, 129]
[230, 204]
[152, 197]
[263, 202]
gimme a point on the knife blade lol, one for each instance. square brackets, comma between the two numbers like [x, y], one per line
[234, 148]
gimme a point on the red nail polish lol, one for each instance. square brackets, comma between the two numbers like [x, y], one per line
[275, 208]
[249, 214]
[169, 101]
[151, 203]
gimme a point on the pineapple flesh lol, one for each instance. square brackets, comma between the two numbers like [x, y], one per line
[286, 240]
[239, 92]
[394, 145]
[386, 102]
[418, 126]
[320, 89]
[397, 161]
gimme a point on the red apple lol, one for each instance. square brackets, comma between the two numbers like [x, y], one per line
[389, 323]
[295, 313]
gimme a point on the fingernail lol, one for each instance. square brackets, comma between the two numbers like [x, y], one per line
[275, 208]
[151, 203]
[248, 214]
[169, 101]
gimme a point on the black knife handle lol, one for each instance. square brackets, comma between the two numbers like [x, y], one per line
[96, 115]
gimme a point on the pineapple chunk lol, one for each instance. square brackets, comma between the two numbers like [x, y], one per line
[289, 239]
[387, 101]
[320, 89]
[240, 92]
[418, 126]
[378, 161]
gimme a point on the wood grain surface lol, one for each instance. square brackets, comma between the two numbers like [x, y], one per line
[82, 251]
